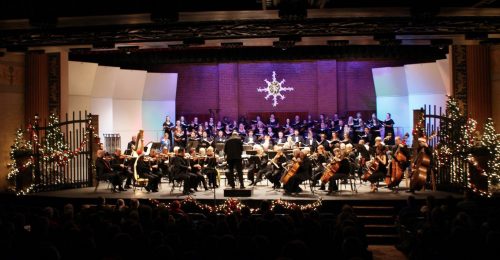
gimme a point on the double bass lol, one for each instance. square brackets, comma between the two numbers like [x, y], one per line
[420, 171]
[396, 174]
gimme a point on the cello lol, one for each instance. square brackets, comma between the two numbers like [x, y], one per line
[330, 170]
[291, 172]
[373, 168]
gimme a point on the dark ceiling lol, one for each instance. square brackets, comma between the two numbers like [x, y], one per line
[125, 26]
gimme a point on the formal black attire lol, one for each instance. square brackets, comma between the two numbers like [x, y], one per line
[257, 168]
[144, 171]
[298, 139]
[233, 150]
[318, 168]
[209, 169]
[389, 128]
[181, 171]
[379, 174]
[303, 173]
[274, 172]
[104, 171]
[341, 174]
[123, 172]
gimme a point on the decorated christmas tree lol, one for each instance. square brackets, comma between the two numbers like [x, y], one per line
[54, 148]
[491, 140]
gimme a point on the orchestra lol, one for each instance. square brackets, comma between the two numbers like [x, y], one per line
[321, 151]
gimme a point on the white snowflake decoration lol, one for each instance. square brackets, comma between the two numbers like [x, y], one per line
[274, 89]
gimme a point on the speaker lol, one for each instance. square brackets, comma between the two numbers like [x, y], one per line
[247, 192]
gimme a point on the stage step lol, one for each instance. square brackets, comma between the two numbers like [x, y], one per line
[378, 222]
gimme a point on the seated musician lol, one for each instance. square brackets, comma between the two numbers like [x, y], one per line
[220, 138]
[144, 170]
[297, 138]
[165, 142]
[250, 139]
[324, 142]
[208, 167]
[310, 140]
[164, 163]
[104, 170]
[206, 141]
[319, 160]
[273, 174]
[121, 165]
[378, 167]
[341, 173]
[281, 139]
[196, 161]
[257, 166]
[368, 137]
[303, 172]
[267, 143]
[182, 171]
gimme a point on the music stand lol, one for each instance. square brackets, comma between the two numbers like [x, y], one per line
[271, 154]
[251, 152]
[156, 146]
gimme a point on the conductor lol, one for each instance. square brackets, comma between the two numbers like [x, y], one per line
[233, 150]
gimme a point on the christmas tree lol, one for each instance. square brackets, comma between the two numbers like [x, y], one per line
[491, 140]
[54, 147]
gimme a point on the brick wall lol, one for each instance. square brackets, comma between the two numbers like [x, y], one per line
[325, 86]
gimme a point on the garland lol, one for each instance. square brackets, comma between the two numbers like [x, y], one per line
[232, 205]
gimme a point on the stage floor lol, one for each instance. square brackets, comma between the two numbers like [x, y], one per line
[262, 191]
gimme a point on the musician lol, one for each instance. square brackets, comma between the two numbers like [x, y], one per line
[378, 167]
[358, 123]
[233, 150]
[281, 139]
[375, 125]
[103, 169]
[209, 167]
[220, 138]
[276, 169]
[346, 140]
[296, 122]
[183, 123]
[335, 119]
[400, 147]
[297, 138]
[324, 142]
[273, 122]
[195, 123]
[144, 170]
[192, 141]
[167, 125]
[267, 143]
[196, 161]
[318, 161]
[257, 166]
[270, 132]
[367, 137]
[206, 141]
[165, 142]
[289, 144]
[179, 137]
[324, 129]
[303, 173]
[121, 166]
[133, 142]
[287, 124]
[228, 130]
[343, 170]
[250, 139]
[389, 129]
[181, 171]
[241, 130]
[423, 150]
[260, 134]
[310, 140]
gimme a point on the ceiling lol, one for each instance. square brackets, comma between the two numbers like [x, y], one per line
[131, 25]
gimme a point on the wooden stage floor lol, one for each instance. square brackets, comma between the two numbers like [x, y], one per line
[262, 191]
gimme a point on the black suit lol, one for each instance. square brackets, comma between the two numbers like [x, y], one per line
[298, 139]
[233, 150]
[103, 170]
[303, 173]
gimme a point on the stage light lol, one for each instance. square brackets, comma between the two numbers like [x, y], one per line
[337, 43]
[292, 9]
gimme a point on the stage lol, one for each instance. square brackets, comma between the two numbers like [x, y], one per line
[262, 191]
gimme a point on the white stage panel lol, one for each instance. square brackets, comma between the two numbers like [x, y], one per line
[81, 77]
[127, 118]
[390, 82]
[160, 86]
[130, 84]
[78, 103]
[424, 79]
[104, 108]
[105, 81]
[153, 116]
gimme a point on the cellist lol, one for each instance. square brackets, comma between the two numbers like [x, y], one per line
[303, 172]
[341, 173]
[379, 167]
